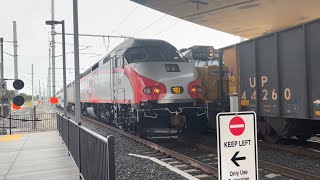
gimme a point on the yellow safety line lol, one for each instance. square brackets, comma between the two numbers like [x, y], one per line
[10, 137]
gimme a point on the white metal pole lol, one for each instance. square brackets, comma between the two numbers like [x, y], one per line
[49, 75]
[15, 52]
[1, 66]
[234, 103]
[53, 50]
[76, 61]
[43, 91]
[64, 70]
[32, 82]
[2, 77]
[39, 93]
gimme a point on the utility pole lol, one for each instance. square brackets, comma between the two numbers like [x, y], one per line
[43, 91]
[53, 50]
[1, 65]
[65, 113]
[2, 77]
[49, 75]
[32, 99]
[15, 53]
[39, 93]
[76, 61]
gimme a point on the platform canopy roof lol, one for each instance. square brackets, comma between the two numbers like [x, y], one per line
[245, 18]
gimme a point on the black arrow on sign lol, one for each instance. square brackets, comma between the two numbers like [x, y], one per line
[234, 159]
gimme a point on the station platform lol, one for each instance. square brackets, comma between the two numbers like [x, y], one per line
[36, 156]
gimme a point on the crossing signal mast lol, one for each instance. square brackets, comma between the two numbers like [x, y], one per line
[18, 101]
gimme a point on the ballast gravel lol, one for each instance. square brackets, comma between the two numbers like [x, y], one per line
[135, 168]
[195, 153]
[302, 163]
[131, 167]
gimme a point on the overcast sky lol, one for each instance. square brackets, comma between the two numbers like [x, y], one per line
[107, 17]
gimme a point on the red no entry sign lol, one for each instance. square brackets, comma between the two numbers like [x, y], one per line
[237, 126]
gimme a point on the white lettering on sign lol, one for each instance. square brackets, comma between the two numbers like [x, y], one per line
[237, 146]
[237, 143]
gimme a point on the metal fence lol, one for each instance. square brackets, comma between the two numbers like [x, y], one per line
[93, 153]
[30, 122]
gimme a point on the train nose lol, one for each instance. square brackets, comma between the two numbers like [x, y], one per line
[178, 121]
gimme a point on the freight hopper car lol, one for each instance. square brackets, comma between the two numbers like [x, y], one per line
[278, 78]
[143, 86]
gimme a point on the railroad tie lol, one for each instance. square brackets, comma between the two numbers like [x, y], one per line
[200, 176]
[192, 171]
[166, 159]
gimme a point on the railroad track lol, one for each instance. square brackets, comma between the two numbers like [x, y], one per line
[200, 167]
[193, 167]
[309, 149]
[171, 157]
[286, 171]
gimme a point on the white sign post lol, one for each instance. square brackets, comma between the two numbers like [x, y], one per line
[237, 146]
[3, 88]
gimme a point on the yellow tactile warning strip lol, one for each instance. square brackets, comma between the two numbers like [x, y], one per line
[10, 137]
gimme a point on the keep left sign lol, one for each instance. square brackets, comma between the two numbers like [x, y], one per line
[237, 146]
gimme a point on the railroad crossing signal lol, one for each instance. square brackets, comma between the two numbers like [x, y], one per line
[18, 100]
[18, 84]
[237, 146]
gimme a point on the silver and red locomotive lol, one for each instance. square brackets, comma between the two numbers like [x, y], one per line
[144, 86]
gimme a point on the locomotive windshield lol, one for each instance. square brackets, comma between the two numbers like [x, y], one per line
[153, 54]
[201, 63]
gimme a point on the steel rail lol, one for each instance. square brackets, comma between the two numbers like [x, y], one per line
[286, 171]
[297, 174]
[194, 163]
[313, 149]
[185, 159]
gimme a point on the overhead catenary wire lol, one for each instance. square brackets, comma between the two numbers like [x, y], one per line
[97, 35]
[73, 44]
[73, 52]
[125, 19]
[167, 28]
[154, 22]
[8, 53]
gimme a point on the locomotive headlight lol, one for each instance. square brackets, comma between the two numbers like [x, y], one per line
[156, 90]
[193, 89]
[147, 90]
[196, 89]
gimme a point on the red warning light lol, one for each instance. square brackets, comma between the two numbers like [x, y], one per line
[53, 100]
[15, 107]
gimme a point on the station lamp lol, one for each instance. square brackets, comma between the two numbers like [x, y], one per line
[54, 100]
